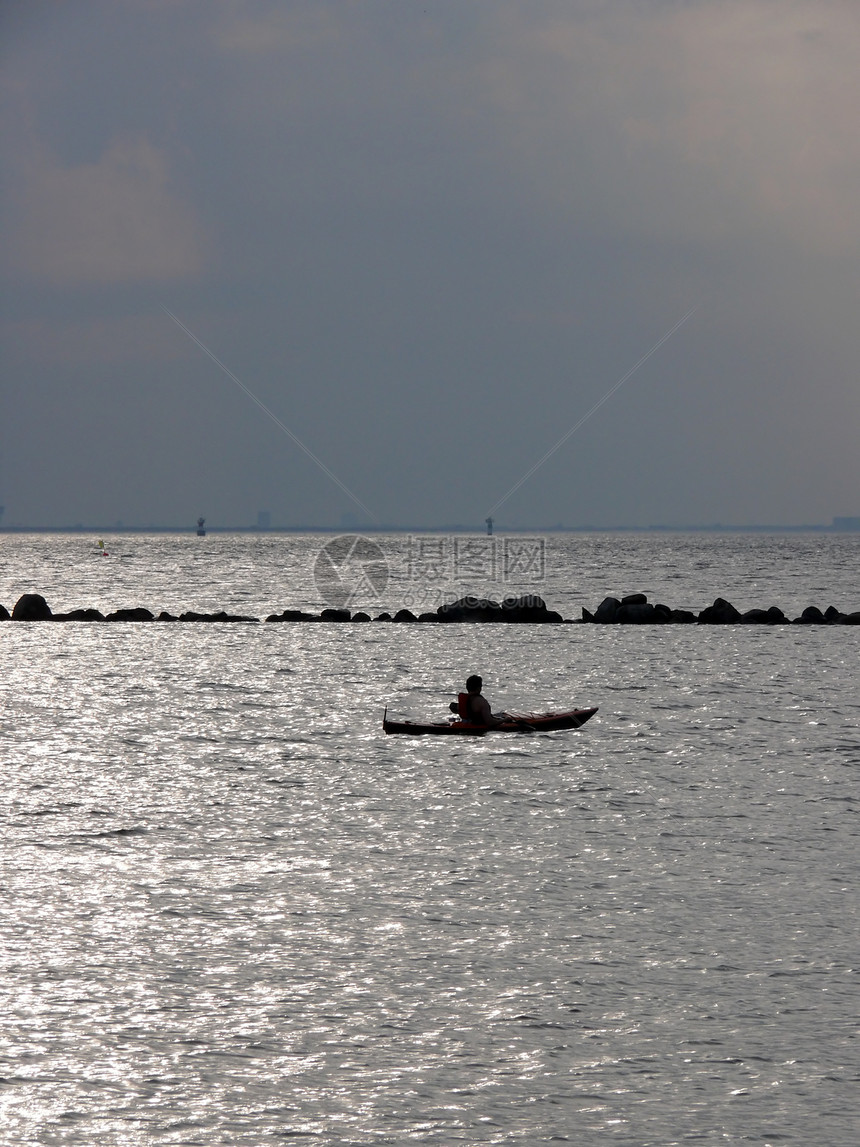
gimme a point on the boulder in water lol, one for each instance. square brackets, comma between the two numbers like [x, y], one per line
[607, 610]
[31, 607]
[772, 616]
[683, 617]
[471, 609]
[528, 609]
[812, 615]
[635, 613]
[335, 615]
[722, 612]
[221, 616]
[138, 613]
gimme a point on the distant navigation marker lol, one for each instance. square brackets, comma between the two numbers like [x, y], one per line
[489, 522]
[201, 533]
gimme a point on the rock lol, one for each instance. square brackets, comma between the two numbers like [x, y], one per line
[428, 617]
[291, 615]
[586, 616]
[812, 615]
[471, 609]
[851, 618]
[361, 617]
[635, 613]
[80, 615]
[755, 617]
[165, 616]
[662, 614]
[523, 606]
[634, 599]
[335, 615]
[606, 610]
[722, 612]
[405, 615]
[772, 616]
[525, 601]
[384, 617]
[221, 616]
[4, 614]
[683, 617]
[137, 614]
[529, 609]
[31, 607]
[833, 614]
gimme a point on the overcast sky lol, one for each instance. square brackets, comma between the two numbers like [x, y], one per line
[429, 237]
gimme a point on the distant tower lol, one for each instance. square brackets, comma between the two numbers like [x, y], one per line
[201, 533]
[489, 526]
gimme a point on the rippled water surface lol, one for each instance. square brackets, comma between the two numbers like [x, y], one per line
[235, 913]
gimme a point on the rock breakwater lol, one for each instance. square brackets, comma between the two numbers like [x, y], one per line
[634, 609]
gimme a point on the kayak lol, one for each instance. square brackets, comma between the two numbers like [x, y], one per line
[515, 723]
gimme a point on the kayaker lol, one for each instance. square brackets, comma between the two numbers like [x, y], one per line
[473, 706]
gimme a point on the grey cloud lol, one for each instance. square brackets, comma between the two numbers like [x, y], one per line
[429, 240]
[114, 221]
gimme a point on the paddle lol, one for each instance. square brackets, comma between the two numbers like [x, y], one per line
[521, 723]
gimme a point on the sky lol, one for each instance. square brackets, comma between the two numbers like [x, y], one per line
[369, 262]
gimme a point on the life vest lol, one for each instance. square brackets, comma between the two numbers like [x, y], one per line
[464, 709]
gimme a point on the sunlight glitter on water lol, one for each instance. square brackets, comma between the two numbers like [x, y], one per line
[235, 911]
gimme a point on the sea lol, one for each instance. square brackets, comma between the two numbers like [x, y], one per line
[234, 912]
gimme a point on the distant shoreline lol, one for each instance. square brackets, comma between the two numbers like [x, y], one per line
[716, 528]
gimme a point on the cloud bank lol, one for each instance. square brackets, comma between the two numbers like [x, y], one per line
[429, 240]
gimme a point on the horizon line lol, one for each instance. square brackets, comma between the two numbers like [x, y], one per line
[839, 524]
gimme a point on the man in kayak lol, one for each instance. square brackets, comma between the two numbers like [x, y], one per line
[473, 706]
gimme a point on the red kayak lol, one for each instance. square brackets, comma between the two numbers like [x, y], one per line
[515, 723]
